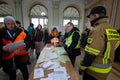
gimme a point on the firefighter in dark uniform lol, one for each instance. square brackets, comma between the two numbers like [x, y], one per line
[102, 42]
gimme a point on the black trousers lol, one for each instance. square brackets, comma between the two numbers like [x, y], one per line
[73, 54]
[88, 77]
[10, 67]
[72, 58]
[24, 70]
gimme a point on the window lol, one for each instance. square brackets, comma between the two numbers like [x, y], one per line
[39, 15]
[1, 19]
[71, 14]
[34, 21]
[66, 21]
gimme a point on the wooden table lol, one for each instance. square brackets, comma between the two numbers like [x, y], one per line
[67, 65]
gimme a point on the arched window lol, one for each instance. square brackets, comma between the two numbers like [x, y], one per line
[5, 10]
[71, 14]
[38, 15]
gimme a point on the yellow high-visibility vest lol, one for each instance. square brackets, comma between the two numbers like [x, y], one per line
[69, 40]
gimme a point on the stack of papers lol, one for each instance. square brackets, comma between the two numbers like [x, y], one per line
[46, 65]
[60, 50]
[53, 55]
[38, 73]
[58, 74]
[15, 45]
[50, 65]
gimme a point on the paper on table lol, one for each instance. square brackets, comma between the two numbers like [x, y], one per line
[48, 78]
[14, 45]
[53, 55]
[46, 65]
[54, 66]
[63, 58]
[38, 73]
[60, 50]
[60, 74]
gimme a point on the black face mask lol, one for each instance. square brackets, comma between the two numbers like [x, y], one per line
[92, 22]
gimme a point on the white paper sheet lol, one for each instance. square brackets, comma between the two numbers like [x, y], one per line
[59, 75]
[14, 45]
[48, 78]
[46, 65]
[53, 55]
[54, 66]
[49, 65]
[38, 73]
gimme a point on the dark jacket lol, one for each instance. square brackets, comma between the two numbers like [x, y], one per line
[38, 35]
[0, 50]
[75, 40]
[46, 36]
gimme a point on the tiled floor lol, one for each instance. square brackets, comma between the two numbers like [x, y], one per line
[114, 75]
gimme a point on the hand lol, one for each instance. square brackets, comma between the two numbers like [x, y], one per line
[81, 69]
[5, 49]
[80, 72]
[24, 45]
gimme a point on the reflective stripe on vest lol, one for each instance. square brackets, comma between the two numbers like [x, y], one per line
[20, 37]
[69, 40]
[112, 34]
[117, 44]
[107, 53]
[101, 65]
[100, 70]
[92, 50]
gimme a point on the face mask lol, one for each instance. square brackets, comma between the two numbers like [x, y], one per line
[92, 22]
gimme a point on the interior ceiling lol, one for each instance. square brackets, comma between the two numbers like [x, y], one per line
[5, 9]
[38, 9]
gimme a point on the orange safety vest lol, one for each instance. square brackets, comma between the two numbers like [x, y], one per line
[18, 51]
[54, 40]
[54, 33]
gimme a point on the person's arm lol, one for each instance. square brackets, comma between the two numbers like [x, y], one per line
[88, 59]
[92, 49]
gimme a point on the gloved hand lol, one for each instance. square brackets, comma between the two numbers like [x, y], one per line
[81, 69]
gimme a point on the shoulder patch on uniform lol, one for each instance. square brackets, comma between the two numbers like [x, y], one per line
[89, 40]
[112, 34]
